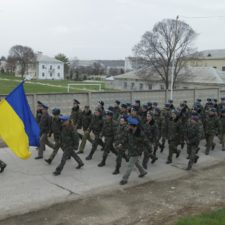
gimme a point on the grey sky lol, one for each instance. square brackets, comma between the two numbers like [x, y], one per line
[101, 29]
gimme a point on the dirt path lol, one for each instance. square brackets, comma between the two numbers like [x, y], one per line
[153, 203]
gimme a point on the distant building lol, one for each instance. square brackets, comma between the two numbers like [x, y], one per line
[208, 58]
[189, 78]
[44, 68]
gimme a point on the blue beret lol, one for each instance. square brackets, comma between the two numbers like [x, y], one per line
[64, 117]
[132, 121]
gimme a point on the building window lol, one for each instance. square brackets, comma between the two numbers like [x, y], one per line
[125, 85]
[162, 87]
[43, 74]
[43, 66]
[149, 86]
[50, 74]
[141, 86]
[58, 67]
[50, 67]
[58, 74]
[214, 67]
[185, 87]
[223, 68]
[132, 85]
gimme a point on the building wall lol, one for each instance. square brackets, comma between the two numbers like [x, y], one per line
[216, 63]
[50, 71]
[139, 85]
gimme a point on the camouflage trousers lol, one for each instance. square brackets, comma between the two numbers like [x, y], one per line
[192, 152]
[67, 153]
[222, 140]
[172, 149]
[56, 148]
[209, 142]
[85, 137]
[44, 141]
[2, 163]
[133, 161]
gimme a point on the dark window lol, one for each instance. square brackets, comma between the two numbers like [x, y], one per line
[125, 84]
[58, 67]
[50, 74]
[162, 87]
[132, 85]
[58, 74]
[43, 66]
[223, 68]
[43, 74]
[141, 86]
[50, 67]
[214, 67]
[149, 86]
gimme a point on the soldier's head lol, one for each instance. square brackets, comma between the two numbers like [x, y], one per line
[137, 103]
[44, 109]
[149, 116]
[86, 108]
[123, 120]
[56, 112]
[98, 112]
[76, 103]
[117, 103]
[167, 106]
[109, 115]
[155, 104]
[101, 104]
[123, 108]
[173, 114]
[144, 108]
[134, 110]
[39, 105]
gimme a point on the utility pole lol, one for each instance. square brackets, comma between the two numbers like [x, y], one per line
[173, 61]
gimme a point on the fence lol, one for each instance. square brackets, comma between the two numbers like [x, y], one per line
[64, 101]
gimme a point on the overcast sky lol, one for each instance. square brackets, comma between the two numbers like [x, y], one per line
[102, 29]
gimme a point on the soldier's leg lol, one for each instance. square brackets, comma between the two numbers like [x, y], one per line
[209, 143]
[83, 142]
[193, 157]
[43, 140]
[118, 161]
[77, 159]
[146, 158]
[93, 149]
[65, 156]
[207, 138]
[140, 168]
[107, 148]
[55, 151]
[188, 151]
[129, 169]
[170, 156]
[2, 166]
[223, 141]
[163, 143]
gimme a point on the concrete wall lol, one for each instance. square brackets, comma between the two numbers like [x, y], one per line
[65, 101]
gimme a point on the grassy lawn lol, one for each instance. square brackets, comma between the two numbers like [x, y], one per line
[212, 218]
[47, 86]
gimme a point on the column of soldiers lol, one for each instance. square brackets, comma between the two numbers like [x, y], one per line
[130, 132]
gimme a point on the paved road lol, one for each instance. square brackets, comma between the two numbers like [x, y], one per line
[29, 185]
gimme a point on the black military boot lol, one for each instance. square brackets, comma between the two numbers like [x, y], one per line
[80, 165]
[102, 163]
[178, 153]
[2, 167]
[117, 170]
[213, 146]
[49, 161]
[126, 157]
[162, 146]
[154, 158]
[196, 159]
[89, 157]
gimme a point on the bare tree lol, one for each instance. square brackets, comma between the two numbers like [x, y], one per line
[23, 56]
[165, 47]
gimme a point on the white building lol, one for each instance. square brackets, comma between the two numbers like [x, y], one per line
[44, 68]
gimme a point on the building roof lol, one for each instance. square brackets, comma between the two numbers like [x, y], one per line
[207, 75]
[45, 58]
[106, 63]
[211, 54]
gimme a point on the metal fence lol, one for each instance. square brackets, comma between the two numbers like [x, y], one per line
[65, 100]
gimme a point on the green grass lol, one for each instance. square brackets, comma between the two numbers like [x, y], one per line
[212, 218]
[36, 86]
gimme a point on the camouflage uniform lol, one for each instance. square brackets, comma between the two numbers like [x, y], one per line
[69, 143]
[95, 127]
[75, 116]
[222, 131]
[120, 144]
[174, 129]
[85, 121]
[55, 128]
[116, 112]
[192, 137]
[108, 131]
[211, 127]
[45, 124]
[165, 116]
[135, 147]
[151, 131]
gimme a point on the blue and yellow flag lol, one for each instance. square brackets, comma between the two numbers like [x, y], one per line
[18, 127]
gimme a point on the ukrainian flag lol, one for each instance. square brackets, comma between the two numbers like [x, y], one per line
[18, 127]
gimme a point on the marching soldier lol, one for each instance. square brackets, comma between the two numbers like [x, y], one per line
[222, 129]
[116, 110]
[135, 147]
[108, 132]
[55, 128]
[45, 124]
[120, 143]
[96, 127]
[76, 114]
[69, 143]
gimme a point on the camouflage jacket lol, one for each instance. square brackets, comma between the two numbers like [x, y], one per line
[116, 113]
[96, 125]
[192, 133]
[75, 116]
[109, 128]
[45, 123]
[151, 131]
[69, 138]
[121, 135]
[211, 125]
[56, 127]
[221, 122]
[174, 130]
[86, 119]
